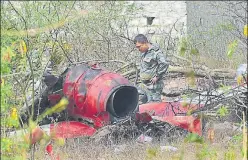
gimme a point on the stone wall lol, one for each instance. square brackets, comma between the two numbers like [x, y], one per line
[164, 14]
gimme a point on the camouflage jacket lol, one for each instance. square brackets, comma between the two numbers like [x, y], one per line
[153, 63]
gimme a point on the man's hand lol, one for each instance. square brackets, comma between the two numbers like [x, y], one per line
[154, 80]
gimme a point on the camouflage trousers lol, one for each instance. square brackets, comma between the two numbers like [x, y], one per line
[150, 92]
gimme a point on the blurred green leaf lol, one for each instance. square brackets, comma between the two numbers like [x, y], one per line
[238, 137]
[182, 51]
[55, 109]
[192, 137]
[232, 48]
[222, 111]
[191, 78]
[194, 51]
[183, 46]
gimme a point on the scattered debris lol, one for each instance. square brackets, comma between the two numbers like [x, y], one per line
[144, 139]
[119, 148]
[168, 148]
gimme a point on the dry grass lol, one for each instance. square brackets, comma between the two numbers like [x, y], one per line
[80, 149]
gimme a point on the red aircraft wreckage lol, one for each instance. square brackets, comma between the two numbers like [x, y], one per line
[98, 97]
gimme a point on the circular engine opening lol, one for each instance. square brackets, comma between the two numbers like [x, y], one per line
[123, 101]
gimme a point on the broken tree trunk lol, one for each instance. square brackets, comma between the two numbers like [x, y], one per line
[198, 71]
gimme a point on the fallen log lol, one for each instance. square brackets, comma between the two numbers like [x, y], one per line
[128, 73]
[99, 61]
[124, 66]
[200, 72]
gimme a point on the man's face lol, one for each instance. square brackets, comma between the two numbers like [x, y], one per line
[142, 47]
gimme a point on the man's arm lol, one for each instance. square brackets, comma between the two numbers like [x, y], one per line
[163, 65]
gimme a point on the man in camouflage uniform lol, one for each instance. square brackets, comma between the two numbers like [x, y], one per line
[153, 67]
